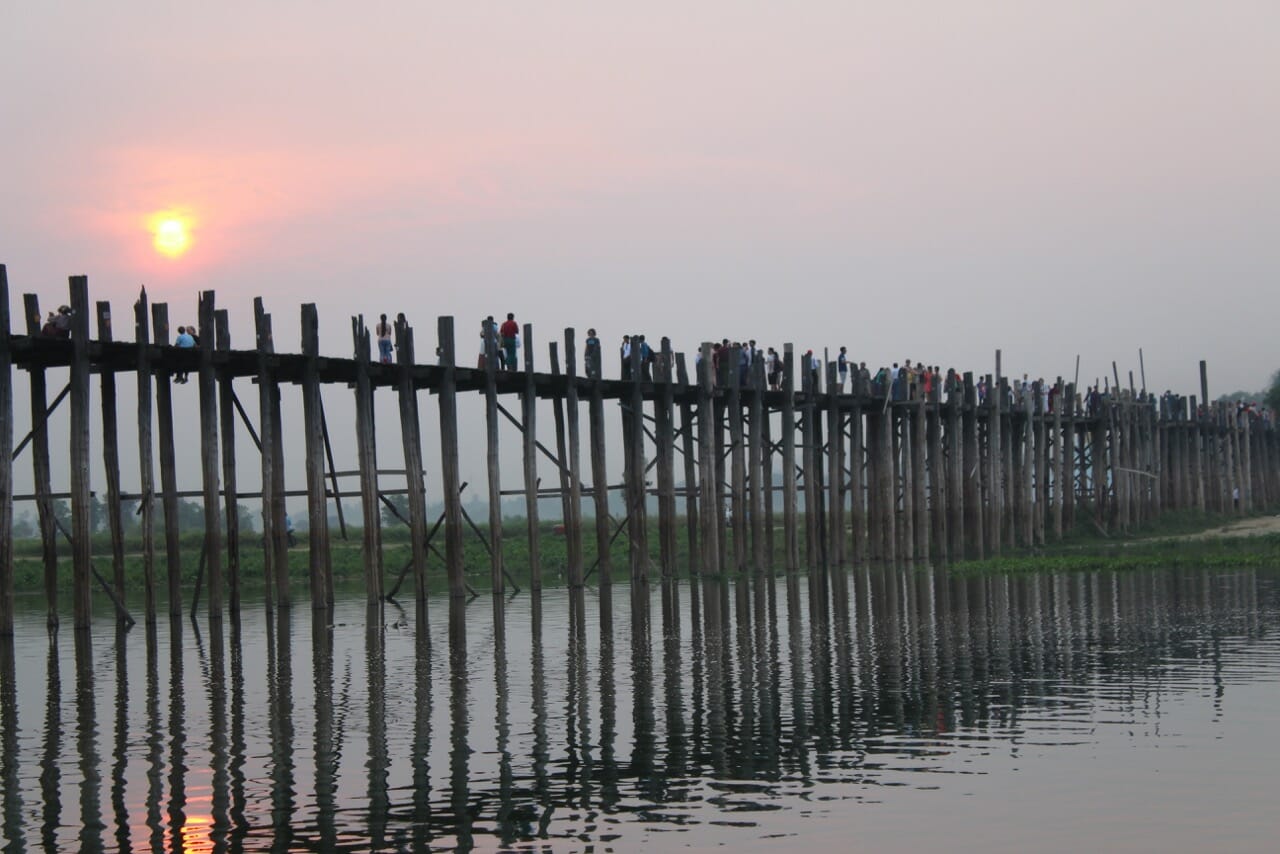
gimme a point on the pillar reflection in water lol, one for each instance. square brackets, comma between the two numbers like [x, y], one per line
[460, 751]
[9, 756]
[280, 701]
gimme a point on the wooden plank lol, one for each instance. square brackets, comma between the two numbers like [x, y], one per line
[450, 482]
[6, 509]
[111, 455]
[320, 568]
[227, 435]
[367, 459]
[529, 428]
[209, 457]
[41, 470]
[81, 518]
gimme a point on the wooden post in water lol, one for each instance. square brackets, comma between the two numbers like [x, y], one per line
[1027, 471]
[937, 477]
[972, 504]
[600, 481]
[856, 474]
[367, 459]
[41, 470]
[492, 357]
[1069, 451]
[955, 472]
[320, 568]
[573, 520]
[450, 481]
[664, 416]
[411, 441]
[275, 544]
[529, 447]
[6, 478]
[706, 466]
[81, 520]
[562, 455]
[755, 463]
[168, 464]
[995, 460]
[209, 464]
[111, 456]
[790, 538]
[227, 431]
[690, 467]
[146, 472]
[835, 470]
[637, 529]
[1060, 461]
[918, 500]
[738, 459]
[886, 480]
[808, 461]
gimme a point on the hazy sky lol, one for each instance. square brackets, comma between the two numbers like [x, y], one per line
[924, 180]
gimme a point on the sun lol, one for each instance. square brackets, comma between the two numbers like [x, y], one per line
[171, 232]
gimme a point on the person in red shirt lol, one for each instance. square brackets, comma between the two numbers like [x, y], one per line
[509, 332]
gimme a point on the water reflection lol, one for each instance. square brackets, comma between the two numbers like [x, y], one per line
[745, 707]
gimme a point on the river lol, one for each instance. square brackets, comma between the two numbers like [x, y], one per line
[883, 709]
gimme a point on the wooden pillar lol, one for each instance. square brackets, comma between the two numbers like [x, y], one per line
[562, 454]
[690, 466]
[955, 473]
[972, 506]
[918, 501]
[788, 438]
[275, 544]
[450, 481]
[40, 469]
[111, 455]
[168, 465]
[1006, 465]
[209, 459]
[227, 432]
[807, 462]
[857, 485]
[573, 520]
[1069, 454]
[1060, 463]
[836, 464]
[755, 464]
[491, 356]
[706, 466]
[886, 475]
[529, 448]
[411, 442]
[1027, 472]
[81, 520]
[637, 527]
[319, 565]
[995, 467]
[664, 418]
[367, 459]
[937, 478]
[738, 459]
[146, 472]
[600, 482]
[6, 494]
[1097, 456]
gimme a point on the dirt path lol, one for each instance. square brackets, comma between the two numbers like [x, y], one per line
[1243, 528]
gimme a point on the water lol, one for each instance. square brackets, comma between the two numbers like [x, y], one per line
[888, 709]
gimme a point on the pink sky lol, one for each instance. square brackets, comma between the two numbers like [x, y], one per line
[923, 180]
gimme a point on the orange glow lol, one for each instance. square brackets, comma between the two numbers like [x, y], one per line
[171, 232]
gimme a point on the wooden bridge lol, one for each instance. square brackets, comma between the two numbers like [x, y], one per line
[863, 477]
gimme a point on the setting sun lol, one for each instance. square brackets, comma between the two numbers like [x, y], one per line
[172, 233]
